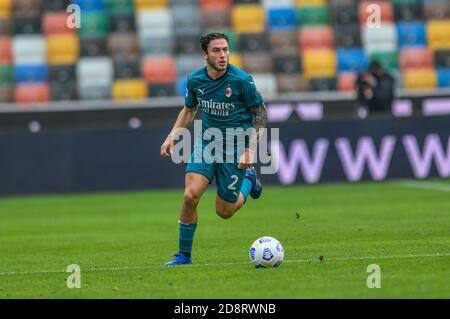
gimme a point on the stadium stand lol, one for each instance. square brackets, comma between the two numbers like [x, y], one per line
[132, 50]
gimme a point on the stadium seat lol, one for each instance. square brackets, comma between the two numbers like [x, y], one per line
[287, 63]
[438, 34]
[248, 18]
[316, 37]
[65, 91]
[408, 10]
[30, 73]
[270, 4]
[442, 58]
[125, 7]
[157, 45]
[6, 93]
[302, 3]
[312, 15]
[62, 49]
[149, 4]
[6, 74]
[319, 63]
[281, 18]
[161, 89]
[55, 5]
[436, 10]
[26, 8]
[254, 42]
[346, 81]
[292, 83]
[354, 59]
[266, 84]
[32, 93]
[443, 75]
[130, 89]
[94, 92]
[418, 79]
[27, 24]
[344, 14]
[187, 63]
[5, 26]
[5, 9]
[236, 60]
[389, 60]
[187, 44]
[386, 11]
[416, 58]
[206, 5]
[159, 70]
[323, 84]
[411, 34]
[188, 19]
[152, 23]
[380, 39]
[94, 72]
[89, 5]
[257, 62]
[29, 49]
[180, 85]
[62, 73]
[95, 25]
[347, 35]
[215, 19]
[127, 68]
[6, 50]
[122, 22]
[56, 23]
[123, 45]
[284, 41]
[93, 47]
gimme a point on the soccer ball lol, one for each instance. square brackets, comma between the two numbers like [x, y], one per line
[266, 252]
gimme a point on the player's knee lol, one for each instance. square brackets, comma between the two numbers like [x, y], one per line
[224, 212]
[191, 197]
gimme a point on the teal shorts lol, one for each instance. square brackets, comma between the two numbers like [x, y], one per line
[228, 176]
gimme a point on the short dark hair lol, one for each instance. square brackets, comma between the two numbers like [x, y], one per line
[204, 40]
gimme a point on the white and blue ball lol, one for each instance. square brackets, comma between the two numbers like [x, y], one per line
[266, 252]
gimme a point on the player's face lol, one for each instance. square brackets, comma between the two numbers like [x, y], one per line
[217, 55]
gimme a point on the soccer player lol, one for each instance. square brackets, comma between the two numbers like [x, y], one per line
[228, 98]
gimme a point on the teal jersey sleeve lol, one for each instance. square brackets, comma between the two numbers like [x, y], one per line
[190, 100]
[252, 97]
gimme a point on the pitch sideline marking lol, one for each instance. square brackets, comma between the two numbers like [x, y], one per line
[12, 273]
[425, 185]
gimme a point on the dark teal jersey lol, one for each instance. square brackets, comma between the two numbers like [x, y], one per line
[224, 102]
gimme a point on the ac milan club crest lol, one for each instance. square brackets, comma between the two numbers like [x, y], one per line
[228, 92]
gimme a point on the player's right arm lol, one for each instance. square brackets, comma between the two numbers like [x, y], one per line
[184, 120]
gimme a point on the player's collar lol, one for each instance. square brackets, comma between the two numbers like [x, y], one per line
[226, 72]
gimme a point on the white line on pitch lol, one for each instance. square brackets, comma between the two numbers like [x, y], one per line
[11, 273]
[426, 185]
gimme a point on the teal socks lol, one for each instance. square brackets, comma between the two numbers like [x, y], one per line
[186, 238]
[246, 187]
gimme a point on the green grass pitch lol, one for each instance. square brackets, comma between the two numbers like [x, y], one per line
[121, 240]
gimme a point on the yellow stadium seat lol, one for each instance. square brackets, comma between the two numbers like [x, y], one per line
[300, 3]
[236, 60]
[130, 89]
[62, 49]
[417, 79]
[5, 9]
[319, 63]
[438, 33]
[248, 18]
[150, 4]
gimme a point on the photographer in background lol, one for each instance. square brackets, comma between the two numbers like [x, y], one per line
[375, 89]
